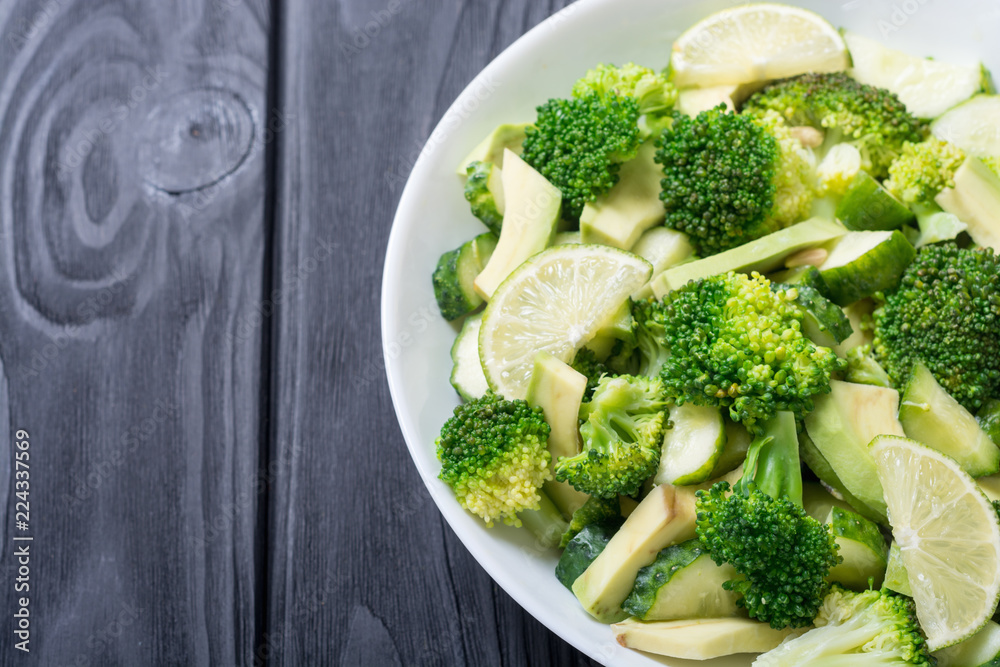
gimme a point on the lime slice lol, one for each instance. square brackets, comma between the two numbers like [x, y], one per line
[754, 43]
[972, 126]
[928, 88]
[948, 535]
[556, 301]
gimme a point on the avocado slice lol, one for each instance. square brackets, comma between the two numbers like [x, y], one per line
[581, 551]
[699, 639]
[664, 517]
[628, 209]
[531, 211]
[764, 254]
[975, 200]
[930, 415]
[558, 389]
[491, 149]
[682, 583]
[841, 426]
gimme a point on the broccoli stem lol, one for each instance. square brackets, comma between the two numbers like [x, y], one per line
[772, 462]
[546, 523]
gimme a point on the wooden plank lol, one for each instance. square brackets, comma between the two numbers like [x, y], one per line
[359, 576]
[132, 141]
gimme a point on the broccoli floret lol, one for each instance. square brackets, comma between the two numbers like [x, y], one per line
[579, 145]
[586, 363]
[653, 353]
[654, 93]
[761, 529]
[993, 162]
[872, 119]
[729, 179]
[923, 170]
[595, 510]
[945, 313]
[477, 193]
[493, 454]
[863, 369]
[622, 434]
[836, 172]
[737, 344]
[863, 629]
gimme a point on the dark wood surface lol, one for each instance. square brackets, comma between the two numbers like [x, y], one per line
[195, 198]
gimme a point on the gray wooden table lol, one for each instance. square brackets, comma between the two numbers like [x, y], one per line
[195, 198]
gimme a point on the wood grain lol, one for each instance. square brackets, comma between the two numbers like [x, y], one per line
[363, 571]
[132, 143]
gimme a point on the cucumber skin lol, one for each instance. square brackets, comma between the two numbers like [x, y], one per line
[884, 212]
[989, 419]
[583, 549]
[857, 280]
[480, 198]
[658, 574]
[455, 296]
[828, 316]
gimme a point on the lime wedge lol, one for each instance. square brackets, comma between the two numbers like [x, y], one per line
[972, 126]
[948, 535]
[754, 43]
[928, 88]
[555, 302]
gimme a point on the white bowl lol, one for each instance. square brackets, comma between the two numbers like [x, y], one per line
[433, 217]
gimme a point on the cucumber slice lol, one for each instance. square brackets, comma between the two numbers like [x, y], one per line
[467, 375]
[862, 547]
[972, 126]
[764, 254]
[621, 327]
[583, 549]
[896, 577]
[975, 200]
[691, 449]
[980, 650]
[484, 192]
[683, 582]
[491, 148]
[931, 416]
[863, 263]
[456, 273]
[989, 419]
[824, 323]
[867, 206]
[734, 453]
[619, 217]
[806, 274]
[927, 87]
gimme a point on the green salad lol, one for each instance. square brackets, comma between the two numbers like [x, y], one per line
[729, 341]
